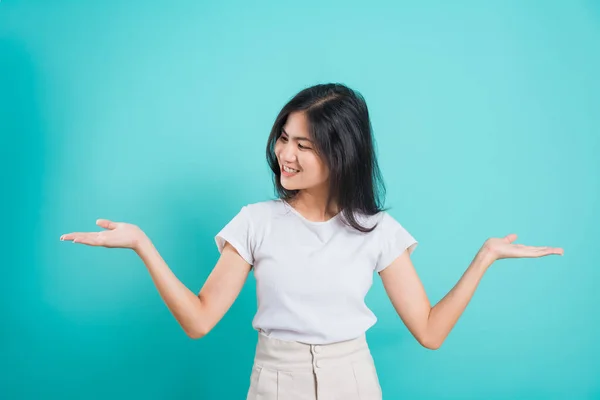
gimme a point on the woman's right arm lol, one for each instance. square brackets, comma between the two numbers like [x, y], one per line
[197, 314]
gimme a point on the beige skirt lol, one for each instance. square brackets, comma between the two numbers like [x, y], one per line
[285, 370]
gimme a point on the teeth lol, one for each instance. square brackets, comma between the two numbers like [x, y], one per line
[287, 169]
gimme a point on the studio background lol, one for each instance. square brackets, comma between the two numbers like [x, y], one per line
[486, 117]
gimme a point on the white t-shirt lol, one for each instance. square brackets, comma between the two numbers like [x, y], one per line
[312, 277]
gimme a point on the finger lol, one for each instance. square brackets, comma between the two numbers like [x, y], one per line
[106, 224]
[510, 238]
[544, 251]
[71, 236]
[81, 237]
[89, 238]
[556, 250]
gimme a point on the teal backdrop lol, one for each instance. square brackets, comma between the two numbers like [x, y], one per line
[486, 116]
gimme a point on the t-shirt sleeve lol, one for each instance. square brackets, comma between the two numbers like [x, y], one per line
[239, 233]
[394, 239]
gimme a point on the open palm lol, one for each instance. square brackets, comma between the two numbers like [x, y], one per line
[118, 234]
[505, 248]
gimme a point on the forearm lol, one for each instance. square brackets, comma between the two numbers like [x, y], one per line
[444, 315]
[182, 302]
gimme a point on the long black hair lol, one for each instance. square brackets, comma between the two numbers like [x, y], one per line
[341, 130]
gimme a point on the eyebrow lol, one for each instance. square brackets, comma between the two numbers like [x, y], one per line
[297, 138]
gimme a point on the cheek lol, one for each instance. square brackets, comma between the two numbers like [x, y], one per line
[318, 168]
[323, 169]
[277, 150]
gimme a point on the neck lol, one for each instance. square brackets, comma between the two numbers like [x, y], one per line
[314, 206]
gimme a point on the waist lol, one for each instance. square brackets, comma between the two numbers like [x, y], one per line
[290, 356]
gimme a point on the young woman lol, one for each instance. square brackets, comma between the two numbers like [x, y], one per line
[314, 251]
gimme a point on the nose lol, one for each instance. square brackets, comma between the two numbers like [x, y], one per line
[287, 153]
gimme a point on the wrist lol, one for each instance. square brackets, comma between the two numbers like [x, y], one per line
[142, 244]
[485, 256]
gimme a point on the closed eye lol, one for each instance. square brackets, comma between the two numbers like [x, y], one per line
[285, 139]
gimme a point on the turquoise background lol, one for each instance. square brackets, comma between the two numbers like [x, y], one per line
[486, 116]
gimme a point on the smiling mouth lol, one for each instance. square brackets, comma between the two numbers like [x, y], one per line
[289, 170]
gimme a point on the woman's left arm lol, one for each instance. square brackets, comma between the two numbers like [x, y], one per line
[431, 325]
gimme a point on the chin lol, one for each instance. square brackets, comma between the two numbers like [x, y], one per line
[292, 183]
[289, 186]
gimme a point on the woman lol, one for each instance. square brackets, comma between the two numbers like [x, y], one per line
[314, 251]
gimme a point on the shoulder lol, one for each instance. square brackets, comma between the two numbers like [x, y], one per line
[380, 220]
[386, 221]
[391, 225]
[383, 222]
[262, 210]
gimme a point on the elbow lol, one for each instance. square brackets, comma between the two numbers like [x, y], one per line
[197, 332]
[431, 346]
[197, 326]
[430, 343]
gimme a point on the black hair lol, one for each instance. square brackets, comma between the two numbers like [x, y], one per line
[341, 131]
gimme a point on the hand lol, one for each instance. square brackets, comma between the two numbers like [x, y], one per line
[500, 248]
[119, 234]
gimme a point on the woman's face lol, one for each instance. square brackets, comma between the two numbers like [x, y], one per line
[295, 150]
